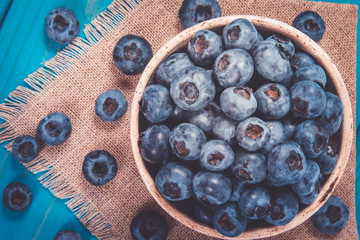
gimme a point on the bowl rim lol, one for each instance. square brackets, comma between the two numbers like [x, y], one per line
[301, 41]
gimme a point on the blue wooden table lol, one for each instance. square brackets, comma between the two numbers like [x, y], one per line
[24, 47]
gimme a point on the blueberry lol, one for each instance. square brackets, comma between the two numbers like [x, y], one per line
[332, 116]
[54, 128]
[240, 33]
[273, 101]
[252, 134]
[259, 39]
[204, 47]
[224, 129]
[111, 105]
[212, 188]
[99, 167]
[25, 148]
[177, 116]
[249, 166]
[271, 64]
[67, 235]
[256, 81]
[216, 155]
[228, 221]
[285, 46]
[131, 54]
[272, 182]
[311, 197]
[310, 179]
[149, 225]
[186, 141]
[332, 217]
[289, 123]
[312, 137]
[238, 103]
[255, 203]
[328, 160]
[192, 89]
[154, 144]
[301, 59]
[168, 69]
[284, 207]
[233, 68]
[204, 213]
[277, 135]
[17, 197]
[310, 23]
[238, 188]
[62, 25]
[308, 99]
[174, 181]
[204, 118]
[196, 11]
[156, 104]
[311, 73]
[286, 162]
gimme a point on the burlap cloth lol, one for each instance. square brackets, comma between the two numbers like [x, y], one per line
[75, 77]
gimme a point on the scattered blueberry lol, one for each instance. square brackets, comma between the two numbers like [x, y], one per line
[273, 101]
[284, 207]
[62, 25]
[332, 217]
[154, 144]
[54, 128]
[228, 220]
[212, 188]
[286, 162]
[308, 99]
[249, 167]
[196, 11]
[204, 47]
[310, 23]
[192, 89]
[131, 54]
[301, 59]
[332, 116]
[238, 103]
[149, 225]
[312, 137]
[240, 33]
[311, 73]
[255, 203]
[99, 167]
[204, 118]
[233, 68]
[156, 104]
[25, 148]
[168, 69]
[252, 134]
[186, 141]
[174, 181]
[216, 155]
[17, 197]
[111, 105]
[67, 235]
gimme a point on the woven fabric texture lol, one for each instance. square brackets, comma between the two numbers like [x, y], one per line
[71, 82]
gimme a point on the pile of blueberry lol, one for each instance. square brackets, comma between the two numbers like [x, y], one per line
[239, 130]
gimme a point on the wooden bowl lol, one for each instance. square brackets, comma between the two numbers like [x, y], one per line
[301, 41]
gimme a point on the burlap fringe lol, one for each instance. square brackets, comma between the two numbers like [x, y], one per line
[88, 214]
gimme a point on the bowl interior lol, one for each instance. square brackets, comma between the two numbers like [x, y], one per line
[335, 84]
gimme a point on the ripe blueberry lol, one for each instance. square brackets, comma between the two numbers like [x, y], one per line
[54, 129]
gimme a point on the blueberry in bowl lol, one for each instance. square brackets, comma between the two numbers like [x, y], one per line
[275, 59]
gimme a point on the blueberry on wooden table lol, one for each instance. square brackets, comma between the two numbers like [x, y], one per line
[111, 105]
[131, 54]
[310, 23]
[62, 25]
[332, 217]
[229, 221]
[149, 225]
[25, 148]
[67, 235]
[54, 129]
[99, 167]
[196, 11]
[17, 197]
